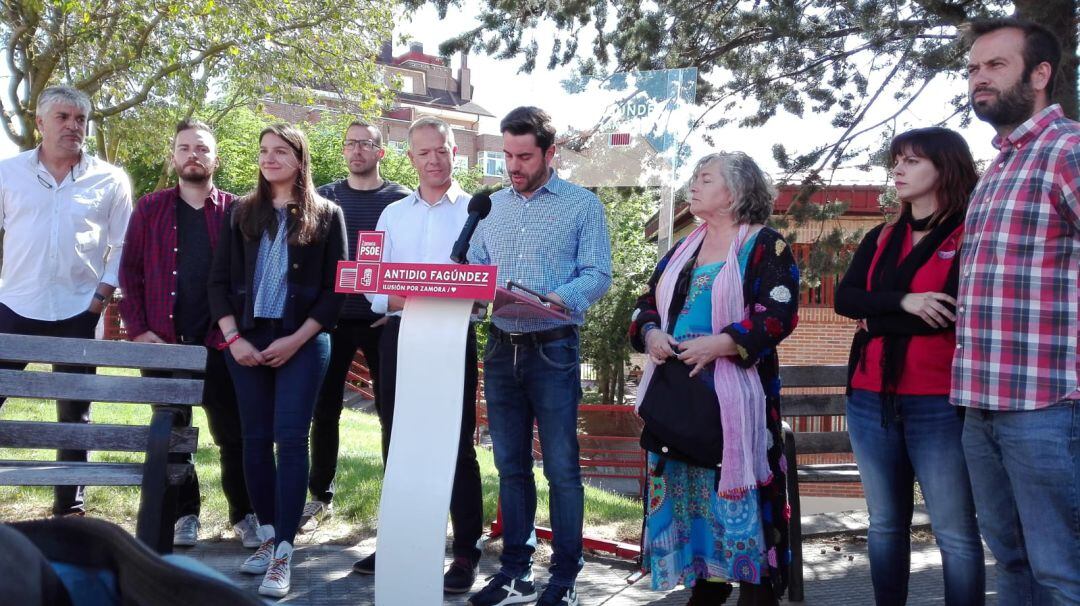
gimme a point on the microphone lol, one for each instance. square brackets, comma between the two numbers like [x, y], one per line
[479, 207]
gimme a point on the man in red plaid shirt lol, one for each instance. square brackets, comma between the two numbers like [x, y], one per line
[1018, 316]
[163, 274]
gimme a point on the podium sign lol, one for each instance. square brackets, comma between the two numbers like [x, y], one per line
[449, 281]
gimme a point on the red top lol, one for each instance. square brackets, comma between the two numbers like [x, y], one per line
[928, 363]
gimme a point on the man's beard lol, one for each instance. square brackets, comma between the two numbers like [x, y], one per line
[198, 175]
[537, 179]
[367, 171]
[1012, 107]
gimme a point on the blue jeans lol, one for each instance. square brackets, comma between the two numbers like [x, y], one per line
[925, 445]
[1025, 472]
[276, 405]
[524, 383]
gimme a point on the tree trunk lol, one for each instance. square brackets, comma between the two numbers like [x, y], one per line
[1060, 17]
[602, 382]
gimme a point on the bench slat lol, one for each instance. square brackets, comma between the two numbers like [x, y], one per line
[813, 376]
[99, 388]
[819, 442]
[813, 405]
[841, 472]
[91, 352]
[52, 473]
[79, 436]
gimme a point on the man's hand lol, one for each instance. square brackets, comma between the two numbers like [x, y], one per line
[395, 303]
[556, 298]
[281, 350]
[380, 321]
[148, 337]
[96, 307]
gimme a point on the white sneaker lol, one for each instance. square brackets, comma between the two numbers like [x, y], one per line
[245, 531]
[314, 513]
[278, 575]
[258, 562]
[186, 531]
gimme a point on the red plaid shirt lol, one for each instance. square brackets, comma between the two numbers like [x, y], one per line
[1018, 318]
[148, 264]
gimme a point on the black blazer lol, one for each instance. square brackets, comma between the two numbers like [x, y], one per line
[310, 279]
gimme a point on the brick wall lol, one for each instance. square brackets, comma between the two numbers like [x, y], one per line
[821, 338]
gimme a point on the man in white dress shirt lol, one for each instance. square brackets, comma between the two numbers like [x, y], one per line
[64, 214]
[421, 228]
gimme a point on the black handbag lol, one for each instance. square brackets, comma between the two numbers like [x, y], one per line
[682, 417]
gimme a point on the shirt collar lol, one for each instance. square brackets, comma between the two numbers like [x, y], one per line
[1029, 129]
[77, 171]
[452, 195]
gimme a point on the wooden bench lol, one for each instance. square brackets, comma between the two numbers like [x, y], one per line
[155, 475]
[796, 443]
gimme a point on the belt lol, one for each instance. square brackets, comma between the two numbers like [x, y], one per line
[185, 340]
[533, 338]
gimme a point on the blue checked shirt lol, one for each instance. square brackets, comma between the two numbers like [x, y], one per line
[555, 241]
[270, 269]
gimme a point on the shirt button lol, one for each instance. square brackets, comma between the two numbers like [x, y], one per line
[170, 316]
[175, 249]
[960, 309]
[1002, 165]
[174, 273]
[958, 346]
[663, 449]
[526, 206]
[522, 230]
[172, 294]
[296, 266]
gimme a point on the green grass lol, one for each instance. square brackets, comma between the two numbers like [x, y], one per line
[356, 501]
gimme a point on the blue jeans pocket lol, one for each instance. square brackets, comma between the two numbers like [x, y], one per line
[560, 355]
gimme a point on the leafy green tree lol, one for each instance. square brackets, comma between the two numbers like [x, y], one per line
[603, 337]
[166, 58]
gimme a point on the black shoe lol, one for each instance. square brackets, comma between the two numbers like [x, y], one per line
[366, 565]
[501, 590]
[707, 593]
[460, 576]
[558, 596]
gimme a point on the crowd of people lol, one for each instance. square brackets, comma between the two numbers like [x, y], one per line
[963, 372]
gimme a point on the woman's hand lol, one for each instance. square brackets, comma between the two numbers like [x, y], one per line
[658, 344]
[245, 353]
[701, 351]
[930, 306]
[281, 350]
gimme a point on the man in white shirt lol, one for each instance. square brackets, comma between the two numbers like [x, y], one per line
[421, 228]
[64, 214]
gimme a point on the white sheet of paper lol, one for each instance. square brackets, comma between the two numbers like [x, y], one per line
[423, 451]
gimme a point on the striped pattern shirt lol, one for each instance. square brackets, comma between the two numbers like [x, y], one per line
[555, 241]
[1019, 299]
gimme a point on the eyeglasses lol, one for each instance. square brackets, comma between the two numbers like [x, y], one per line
[367, 144]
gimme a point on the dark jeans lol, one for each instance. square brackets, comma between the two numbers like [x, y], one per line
[344, 341]
[924, 445]
[275, 409]
[466, 497]
[66, 499]
[223, 417]
[541, 383]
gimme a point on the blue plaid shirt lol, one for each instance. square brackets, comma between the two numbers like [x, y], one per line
[553, 242]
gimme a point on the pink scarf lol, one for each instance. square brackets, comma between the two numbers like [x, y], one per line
[738, 390]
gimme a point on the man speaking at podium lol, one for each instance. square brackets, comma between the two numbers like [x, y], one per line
[551, 237]
[421, 228]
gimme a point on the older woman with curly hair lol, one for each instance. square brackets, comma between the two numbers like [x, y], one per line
[720, 302]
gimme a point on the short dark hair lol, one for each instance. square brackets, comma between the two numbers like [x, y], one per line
[530, 120]
[950, 155]
[1040, 44]
[368, 125]
[192, 124]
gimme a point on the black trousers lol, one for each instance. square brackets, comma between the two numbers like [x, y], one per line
[466, 498]
[66, 499]
[223, 417]
[349, 336]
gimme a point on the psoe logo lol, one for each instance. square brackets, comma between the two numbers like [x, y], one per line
[369, 246]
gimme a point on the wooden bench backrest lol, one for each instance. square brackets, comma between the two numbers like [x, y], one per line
[812, 405]
[102, 388]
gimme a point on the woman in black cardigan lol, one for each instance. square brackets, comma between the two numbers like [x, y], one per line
[726, 295]
[901, 287]
[272, 293]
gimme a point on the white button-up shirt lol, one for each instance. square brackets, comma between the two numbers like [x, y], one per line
[60, 239]
[418, 232]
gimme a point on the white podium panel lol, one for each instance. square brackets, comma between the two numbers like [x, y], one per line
[423, 452]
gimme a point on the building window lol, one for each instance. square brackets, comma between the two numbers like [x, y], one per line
[492, 163]
[398, 146]
[461, 162]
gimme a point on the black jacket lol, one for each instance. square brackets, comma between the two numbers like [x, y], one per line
[310, 279]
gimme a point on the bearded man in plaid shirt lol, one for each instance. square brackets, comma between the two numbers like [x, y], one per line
[1016, 366]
